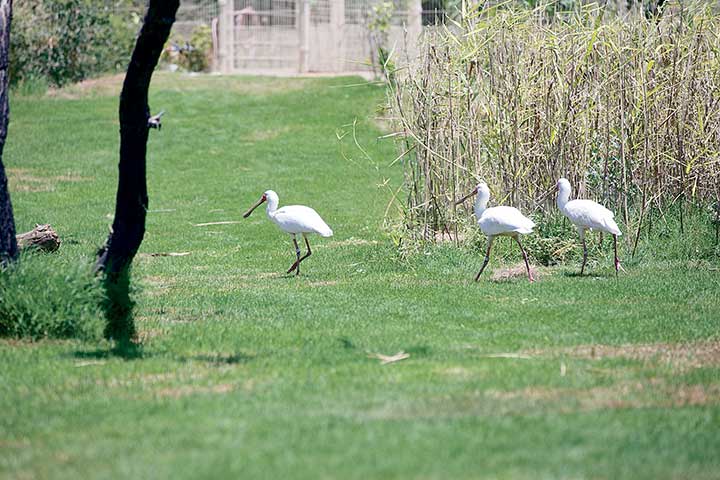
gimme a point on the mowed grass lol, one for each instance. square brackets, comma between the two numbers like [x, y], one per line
[248, 373]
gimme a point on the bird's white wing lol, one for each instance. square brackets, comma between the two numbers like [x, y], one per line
[503, 220]
[592, 215]
[301, 219]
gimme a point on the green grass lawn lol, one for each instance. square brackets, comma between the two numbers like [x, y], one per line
[248, 373]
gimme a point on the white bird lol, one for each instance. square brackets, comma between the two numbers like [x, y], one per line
[499, 221]
[586, 214]
[293, 219]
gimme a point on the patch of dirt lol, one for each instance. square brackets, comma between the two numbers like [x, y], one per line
[681, 356]
[157, 285]
[257, 276]
[109, 85]
[26, 180]
[326, 283]
[458, 372]
[264, 135]
[150, 379]
[21, 443]
[653, 393]
[516, 271]
[181, 82]
[444, 237]
[186, 390]
[352, 241]
[143, 336]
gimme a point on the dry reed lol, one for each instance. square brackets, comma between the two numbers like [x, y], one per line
[628, 109]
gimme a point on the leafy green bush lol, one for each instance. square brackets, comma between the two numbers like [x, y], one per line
[194, 55]
[66, 41]
[42, 296]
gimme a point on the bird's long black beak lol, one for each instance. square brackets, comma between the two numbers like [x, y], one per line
[466, 196]
[250, 210]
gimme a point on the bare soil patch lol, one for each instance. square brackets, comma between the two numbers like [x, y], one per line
[681, 356]
[112, 85]
[516, 271]
[352, 241]
[27, 180]
[652, 393]
[186, 390]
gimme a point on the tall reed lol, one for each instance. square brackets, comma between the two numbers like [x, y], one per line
[628, 109]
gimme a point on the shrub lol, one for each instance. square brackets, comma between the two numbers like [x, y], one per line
[192, 56]
[42, 296]
[67, 41]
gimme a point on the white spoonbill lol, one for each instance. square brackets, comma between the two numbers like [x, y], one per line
[293, 219]
[586, 214]
[499, 221]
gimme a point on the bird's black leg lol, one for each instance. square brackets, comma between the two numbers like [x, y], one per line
[527, 264]
[309, 252]
[582, 237]
[296, 266]
[487, 258]
[617, 262]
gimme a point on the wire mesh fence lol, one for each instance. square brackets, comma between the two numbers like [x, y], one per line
[290, 35]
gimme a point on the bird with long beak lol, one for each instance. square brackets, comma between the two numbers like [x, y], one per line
[294, 220]
[586, 214]
[499, 221]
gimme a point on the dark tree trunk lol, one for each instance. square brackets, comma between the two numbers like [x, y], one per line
[131, 204]
[8, 244]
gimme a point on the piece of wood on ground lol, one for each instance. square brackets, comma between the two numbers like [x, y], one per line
[164, 254]
[227, 222]
[89, 363]
[508, 355]
[385, 359]
[42, 237]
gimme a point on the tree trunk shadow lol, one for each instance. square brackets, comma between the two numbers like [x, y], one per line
[118, 308]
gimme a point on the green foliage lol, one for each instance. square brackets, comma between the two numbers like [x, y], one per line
[197, 57]
[194, 55]
[42, 296]
[31, 86]
[378, 26]
[65, 41]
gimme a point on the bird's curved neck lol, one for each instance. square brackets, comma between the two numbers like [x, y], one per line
[563, 198]
[480, 204]
[272, 204]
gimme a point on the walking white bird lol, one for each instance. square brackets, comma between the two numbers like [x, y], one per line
[586, 214]
[499, 221]
[293, 219]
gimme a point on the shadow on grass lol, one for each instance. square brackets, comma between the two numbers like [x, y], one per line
[118, 308]
[585, 275]
[220, 358]
[121, 351]
[120, 326]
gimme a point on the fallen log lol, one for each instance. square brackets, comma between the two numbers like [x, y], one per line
[42, 237]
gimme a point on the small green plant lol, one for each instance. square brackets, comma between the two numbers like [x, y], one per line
[378, 26]
[195, 56]
[43, 297]
[31, 86]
